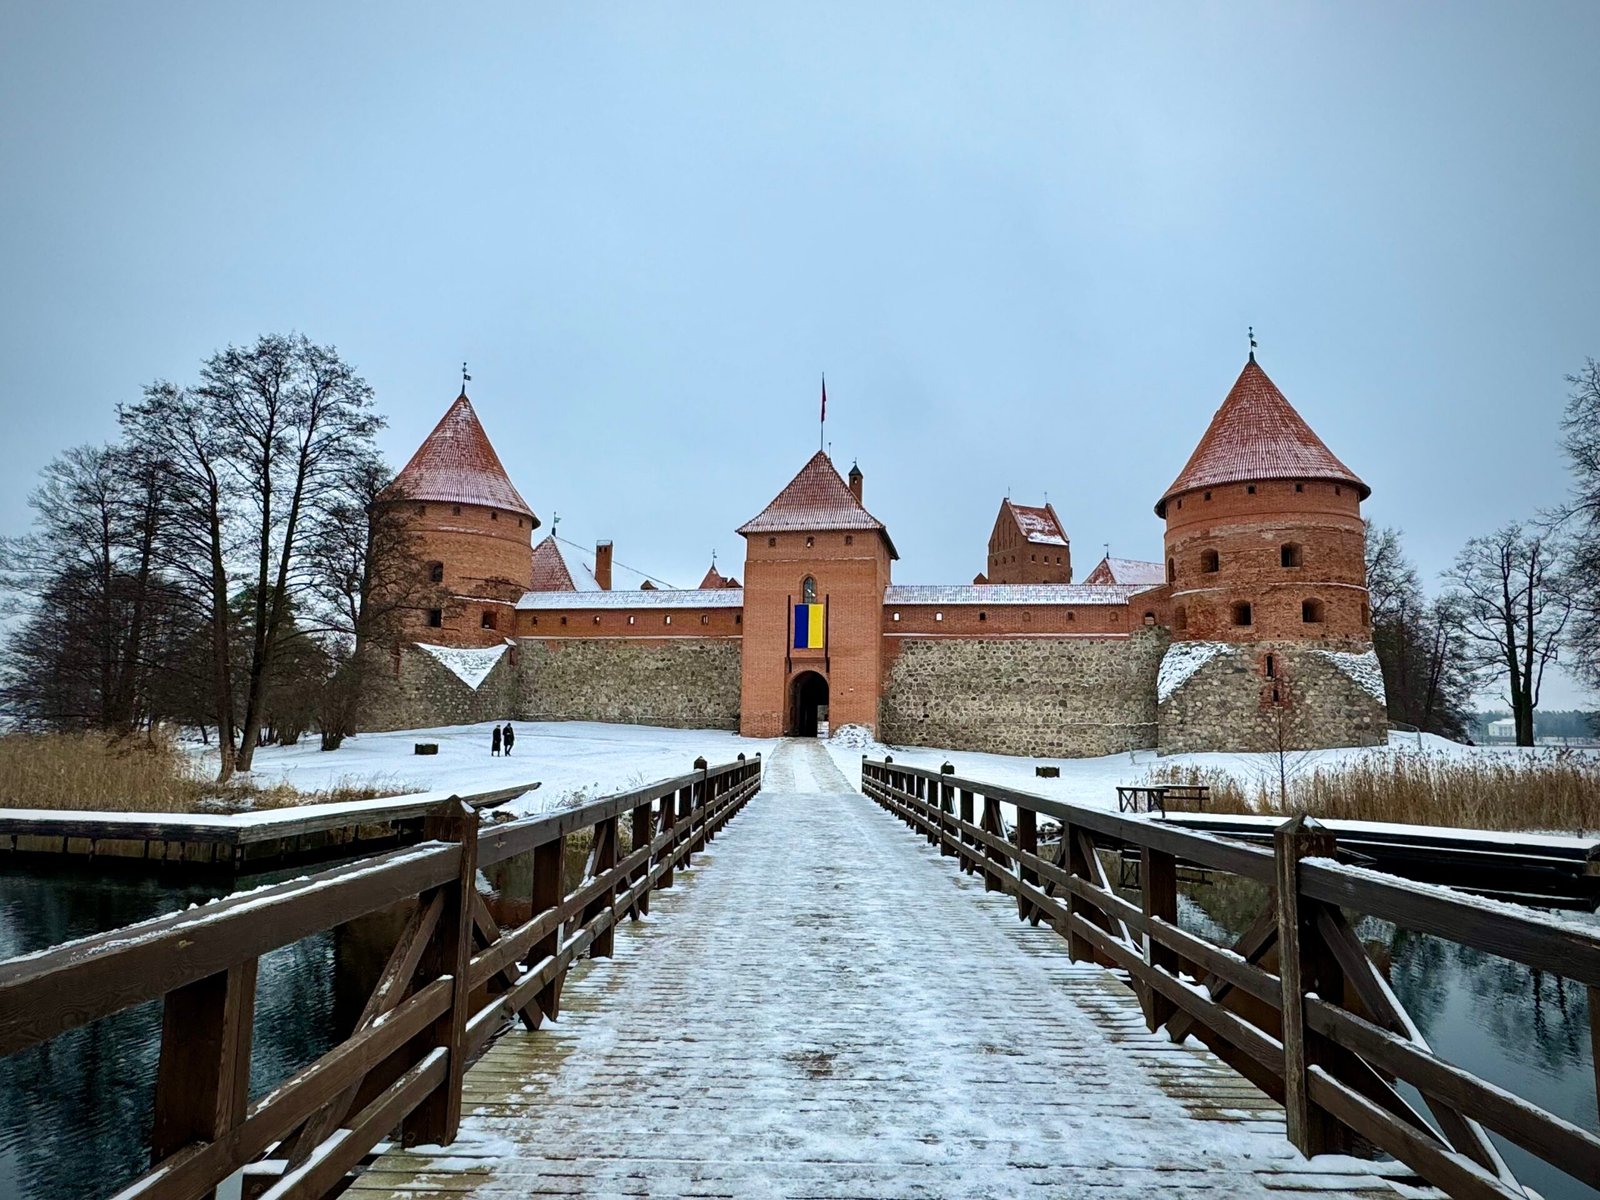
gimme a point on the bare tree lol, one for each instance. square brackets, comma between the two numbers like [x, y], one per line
[1510, 606]
[1581, 440]
[176, 428]
[1427, 679]
[87, 571]
[298, 426]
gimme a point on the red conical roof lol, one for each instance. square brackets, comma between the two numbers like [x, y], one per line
[816, 499]
[457, 465]
[1257, 435]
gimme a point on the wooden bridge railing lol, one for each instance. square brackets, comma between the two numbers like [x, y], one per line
[1295, 1004]
[453, 979]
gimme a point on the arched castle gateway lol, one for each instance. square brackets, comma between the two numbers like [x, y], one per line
[1253, 632]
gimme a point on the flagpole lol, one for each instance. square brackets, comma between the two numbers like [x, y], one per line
[822, 425]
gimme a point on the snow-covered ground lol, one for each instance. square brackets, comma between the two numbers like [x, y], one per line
[572, 761]
[1092, 782]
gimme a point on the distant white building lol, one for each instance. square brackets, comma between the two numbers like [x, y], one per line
[1504, 730]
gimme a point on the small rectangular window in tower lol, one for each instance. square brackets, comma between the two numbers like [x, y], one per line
[455, 510]
[1299, 487]
[1272, 667]
[1208, 495]
[630, 620]
[1242, 614]
[435, 618]
[667, 620]
[493, 515]
[1289, 554]
[810, 542]
[486, 621]
[563, 620]
[849, 539]
[1250, 488]
[597, 618]
[1311, 612]
[436, 572]
[705, 619]
[938, 616]
[771, 542]
[983, 616]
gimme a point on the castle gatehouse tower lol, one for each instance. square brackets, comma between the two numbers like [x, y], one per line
[1265, 563]
[816, 569]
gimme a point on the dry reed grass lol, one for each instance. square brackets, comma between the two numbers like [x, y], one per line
[145, 773]
[1554, 791]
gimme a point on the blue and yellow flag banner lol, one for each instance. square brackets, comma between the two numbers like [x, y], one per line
[810, 626]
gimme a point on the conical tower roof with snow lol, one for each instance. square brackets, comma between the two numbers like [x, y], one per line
[1257, 435]
[456, 464]
[816, 499]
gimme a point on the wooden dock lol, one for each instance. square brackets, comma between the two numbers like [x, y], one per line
[235, 841]
[823, 1009]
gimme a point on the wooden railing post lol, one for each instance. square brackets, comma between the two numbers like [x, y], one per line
[1158, 885]
[602, 858]
[203, 1078]
[992, 824]
[642, 830]
[946, 791]
[549, 890]
[436, 1119]
[1028, 842]
[1305, 964]
[686, 817]
[1079, 948]
[968, 864]
[668, 806]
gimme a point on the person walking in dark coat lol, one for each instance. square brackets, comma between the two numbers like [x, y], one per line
[494, 742]
[510, 737]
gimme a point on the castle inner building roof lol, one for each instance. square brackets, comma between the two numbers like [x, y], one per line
[1127, 570]
[554, 570]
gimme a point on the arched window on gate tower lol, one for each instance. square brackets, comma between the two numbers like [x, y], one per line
[808, 590]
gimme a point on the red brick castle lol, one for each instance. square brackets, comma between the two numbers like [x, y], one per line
[1253, 632]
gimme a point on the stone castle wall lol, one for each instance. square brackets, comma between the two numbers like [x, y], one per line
[1313, 698]
[690, 683]
[1048, 698]
[417, 691]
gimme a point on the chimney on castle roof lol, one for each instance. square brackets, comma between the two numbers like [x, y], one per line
[855, 482]
[602, 565]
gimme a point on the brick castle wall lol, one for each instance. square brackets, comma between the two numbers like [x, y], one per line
[685, 682]
[410, 689]
[1062, 697]
[1231, 703]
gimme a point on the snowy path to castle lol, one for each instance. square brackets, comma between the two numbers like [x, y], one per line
[823, 1008]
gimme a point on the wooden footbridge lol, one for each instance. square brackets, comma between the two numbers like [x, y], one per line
[820, 1003]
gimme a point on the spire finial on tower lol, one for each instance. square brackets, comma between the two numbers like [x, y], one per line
[465, 378]
[1252, 330]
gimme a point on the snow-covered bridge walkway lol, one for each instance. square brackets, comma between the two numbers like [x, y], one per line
[824, 1008]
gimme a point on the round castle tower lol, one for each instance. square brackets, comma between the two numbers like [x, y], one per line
[472, 532]
[1265, 562]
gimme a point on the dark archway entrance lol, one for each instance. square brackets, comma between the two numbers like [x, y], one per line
[808, 704]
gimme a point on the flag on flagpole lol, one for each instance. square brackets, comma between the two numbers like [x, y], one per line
[824, 397]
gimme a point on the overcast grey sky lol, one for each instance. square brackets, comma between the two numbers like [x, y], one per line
[1023, 240]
